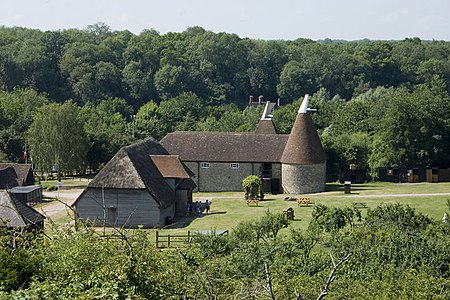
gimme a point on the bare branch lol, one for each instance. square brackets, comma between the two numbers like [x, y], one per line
[330, 279]
[269, 281]
[299, 296]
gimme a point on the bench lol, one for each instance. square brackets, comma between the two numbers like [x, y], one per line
[360, 204]
[304, 201]
[252, 202]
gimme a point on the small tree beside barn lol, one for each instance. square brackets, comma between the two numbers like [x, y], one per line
[252, 187]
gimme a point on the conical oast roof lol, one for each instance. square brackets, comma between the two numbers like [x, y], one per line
[266, 127]
[303, 146]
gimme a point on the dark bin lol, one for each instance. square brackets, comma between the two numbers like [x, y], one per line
[347, 187]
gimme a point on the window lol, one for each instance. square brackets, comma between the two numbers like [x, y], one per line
[390, 172]
[205, 165]
[234, 165]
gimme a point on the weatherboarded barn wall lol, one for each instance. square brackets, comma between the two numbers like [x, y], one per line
[123, 208]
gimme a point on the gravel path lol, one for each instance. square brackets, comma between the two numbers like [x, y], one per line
[56, 209]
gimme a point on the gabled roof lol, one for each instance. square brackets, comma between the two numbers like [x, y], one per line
[8, 177]
[22, 170]
[132, 168]
[303, 145]
[225, 146]
[15, 213]
[170, 166]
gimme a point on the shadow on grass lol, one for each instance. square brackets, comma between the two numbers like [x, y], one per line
[181, 222]
[339, 187]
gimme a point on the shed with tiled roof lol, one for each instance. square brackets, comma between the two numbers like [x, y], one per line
[14, 213]
[24, 172]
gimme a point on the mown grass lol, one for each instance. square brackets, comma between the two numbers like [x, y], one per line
[229, 208]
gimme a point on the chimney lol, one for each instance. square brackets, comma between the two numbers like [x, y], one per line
[278, 102]
[260, 99]
[250, 99]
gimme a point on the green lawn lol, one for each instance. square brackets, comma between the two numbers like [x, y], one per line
[228, 209]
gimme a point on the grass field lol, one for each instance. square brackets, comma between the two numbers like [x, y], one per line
[230, 208]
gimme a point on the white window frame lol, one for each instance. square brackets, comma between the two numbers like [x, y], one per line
[205, 165]
[234, 166]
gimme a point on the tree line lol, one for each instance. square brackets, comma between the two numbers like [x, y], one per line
[381, 103]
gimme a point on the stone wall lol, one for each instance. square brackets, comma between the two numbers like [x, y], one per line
[220, 177]
[303, 179]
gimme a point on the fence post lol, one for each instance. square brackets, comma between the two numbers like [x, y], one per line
[168, 241]
[157, 239]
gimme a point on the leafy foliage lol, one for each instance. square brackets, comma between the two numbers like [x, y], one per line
[397, 253]
[252, 186]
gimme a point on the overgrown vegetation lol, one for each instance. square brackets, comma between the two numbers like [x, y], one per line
[393, 253]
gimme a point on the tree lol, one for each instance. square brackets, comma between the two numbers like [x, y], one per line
[57, 138]
[172, 111]
[294, 81]
[414, 130]
[170, 81]
[107, 129]
[252, 186]
[17, 109]
[141, 59]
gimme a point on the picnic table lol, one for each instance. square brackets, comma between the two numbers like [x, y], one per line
[304, 201]
[360, 204]
[252, 202]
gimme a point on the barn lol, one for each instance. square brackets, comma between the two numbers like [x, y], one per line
[142, 185]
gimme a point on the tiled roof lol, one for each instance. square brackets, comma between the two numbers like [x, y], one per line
[303, 145]
[225, 146]
[170, 166]
[8, 177]
[22, 171]
[15, 213]
[266, 127]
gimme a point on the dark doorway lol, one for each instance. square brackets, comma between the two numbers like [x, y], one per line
[267, 170]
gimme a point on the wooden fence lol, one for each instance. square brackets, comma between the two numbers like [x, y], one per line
[174, 240]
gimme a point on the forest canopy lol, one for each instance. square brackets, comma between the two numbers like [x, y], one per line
[380, 103]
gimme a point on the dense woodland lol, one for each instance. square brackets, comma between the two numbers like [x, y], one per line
[73, 97]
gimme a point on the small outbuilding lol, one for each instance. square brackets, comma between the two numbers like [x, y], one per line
[30, 194]
[142, 185]
[8, 178]
[15, 214]
[24, 173]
